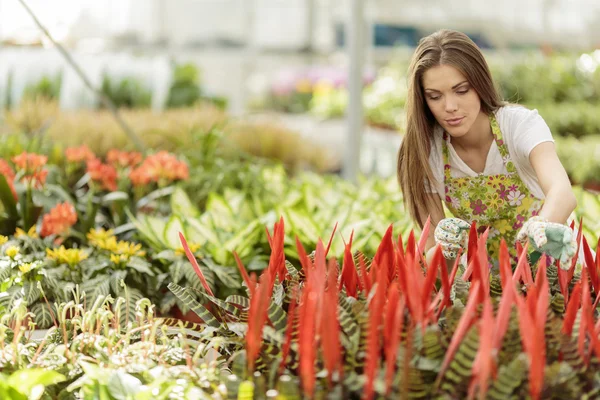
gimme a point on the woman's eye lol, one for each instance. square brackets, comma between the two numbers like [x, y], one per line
[464, 91]
[434, 97]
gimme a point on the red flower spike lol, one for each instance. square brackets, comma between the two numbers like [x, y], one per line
[585, 310]
[424, 235]
[522, 268]
[571, 311]
[400, 247]
[394, 322]
[532, 320]
[579, 237]
[429, 285]
[306, 342]
[330, 328]
[483, 366]
[472, 249]
[462, 328]
[450, 283]
[384, 256]
[410, 245]
[349, 277]
[277, 260]
[504, 265]
[541, 271]
[504, 309]
[289, 329]
[244, 274]
[331, 239]
[257, 317]
[192, 259]
[373, 339]
[304, 260]
[591, 266]
[365, 275]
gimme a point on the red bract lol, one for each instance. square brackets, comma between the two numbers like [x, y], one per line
[160, 167]
[9, 174]
[532, 320]
[32, 167]
[79, 154]
[483, 366]
[306, 341]
[330, 328]
[349, 278]
[393, 326]
[123, 159]
[103, 174]
[257, 317]
[192, 259]
[58, 220]
[373, 337]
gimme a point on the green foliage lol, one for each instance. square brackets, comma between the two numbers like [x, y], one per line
[47, 87]
[128, 92]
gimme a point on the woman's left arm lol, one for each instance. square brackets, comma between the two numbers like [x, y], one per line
[560, 200]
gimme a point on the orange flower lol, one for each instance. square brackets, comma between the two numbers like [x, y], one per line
[58, 220]
[161, 166]
[104, 174]
[9, 174]
[78, 154]
[32, 166]
[123, 159]
[30, 163]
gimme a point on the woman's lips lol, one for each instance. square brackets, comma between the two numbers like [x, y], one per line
[455, 121]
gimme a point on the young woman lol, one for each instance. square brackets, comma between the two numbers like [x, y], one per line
[486, 160]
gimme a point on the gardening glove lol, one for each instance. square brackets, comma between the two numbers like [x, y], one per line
[555, 240]
[452, 234]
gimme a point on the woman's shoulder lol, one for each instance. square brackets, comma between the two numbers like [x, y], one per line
[515, 118]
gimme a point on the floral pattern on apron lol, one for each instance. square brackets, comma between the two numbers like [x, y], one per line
[501, 202]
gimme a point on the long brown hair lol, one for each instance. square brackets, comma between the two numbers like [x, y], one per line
[448, 48]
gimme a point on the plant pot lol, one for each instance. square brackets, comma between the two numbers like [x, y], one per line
[593, 186]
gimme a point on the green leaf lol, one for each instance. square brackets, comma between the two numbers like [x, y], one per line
[182, 205]
[171, 233]
[43, 315]
[188, 299]
[26, 379]
[145, 230]
[140, 265]
[59, 192]
[7, 198]
[227, 275]
[123, 386]
[114, 196]
[201, 233]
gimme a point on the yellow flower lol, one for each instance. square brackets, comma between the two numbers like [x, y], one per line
[194, 247]
[323, 87]
[12, 251]
[3, 239]
[31, 233]
[26, 267]
[303, 86]
[100, 237]
[66, 256]
[130, 249]
[119, 258]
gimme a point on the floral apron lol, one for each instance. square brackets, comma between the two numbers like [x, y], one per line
[501, 202]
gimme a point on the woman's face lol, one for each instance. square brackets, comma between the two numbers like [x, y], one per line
[451, 99]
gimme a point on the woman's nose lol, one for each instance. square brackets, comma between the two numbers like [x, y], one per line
[451, 104]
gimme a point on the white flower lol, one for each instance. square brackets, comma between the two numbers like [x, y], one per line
[514, 197]
[455, 202]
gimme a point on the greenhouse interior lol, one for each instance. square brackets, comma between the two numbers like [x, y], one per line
[299, 199]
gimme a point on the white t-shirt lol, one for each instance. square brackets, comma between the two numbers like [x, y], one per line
[522, 130]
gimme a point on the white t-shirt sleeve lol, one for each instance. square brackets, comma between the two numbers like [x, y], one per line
[530, 130]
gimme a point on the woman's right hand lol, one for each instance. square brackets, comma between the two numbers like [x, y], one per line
[452, 234]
